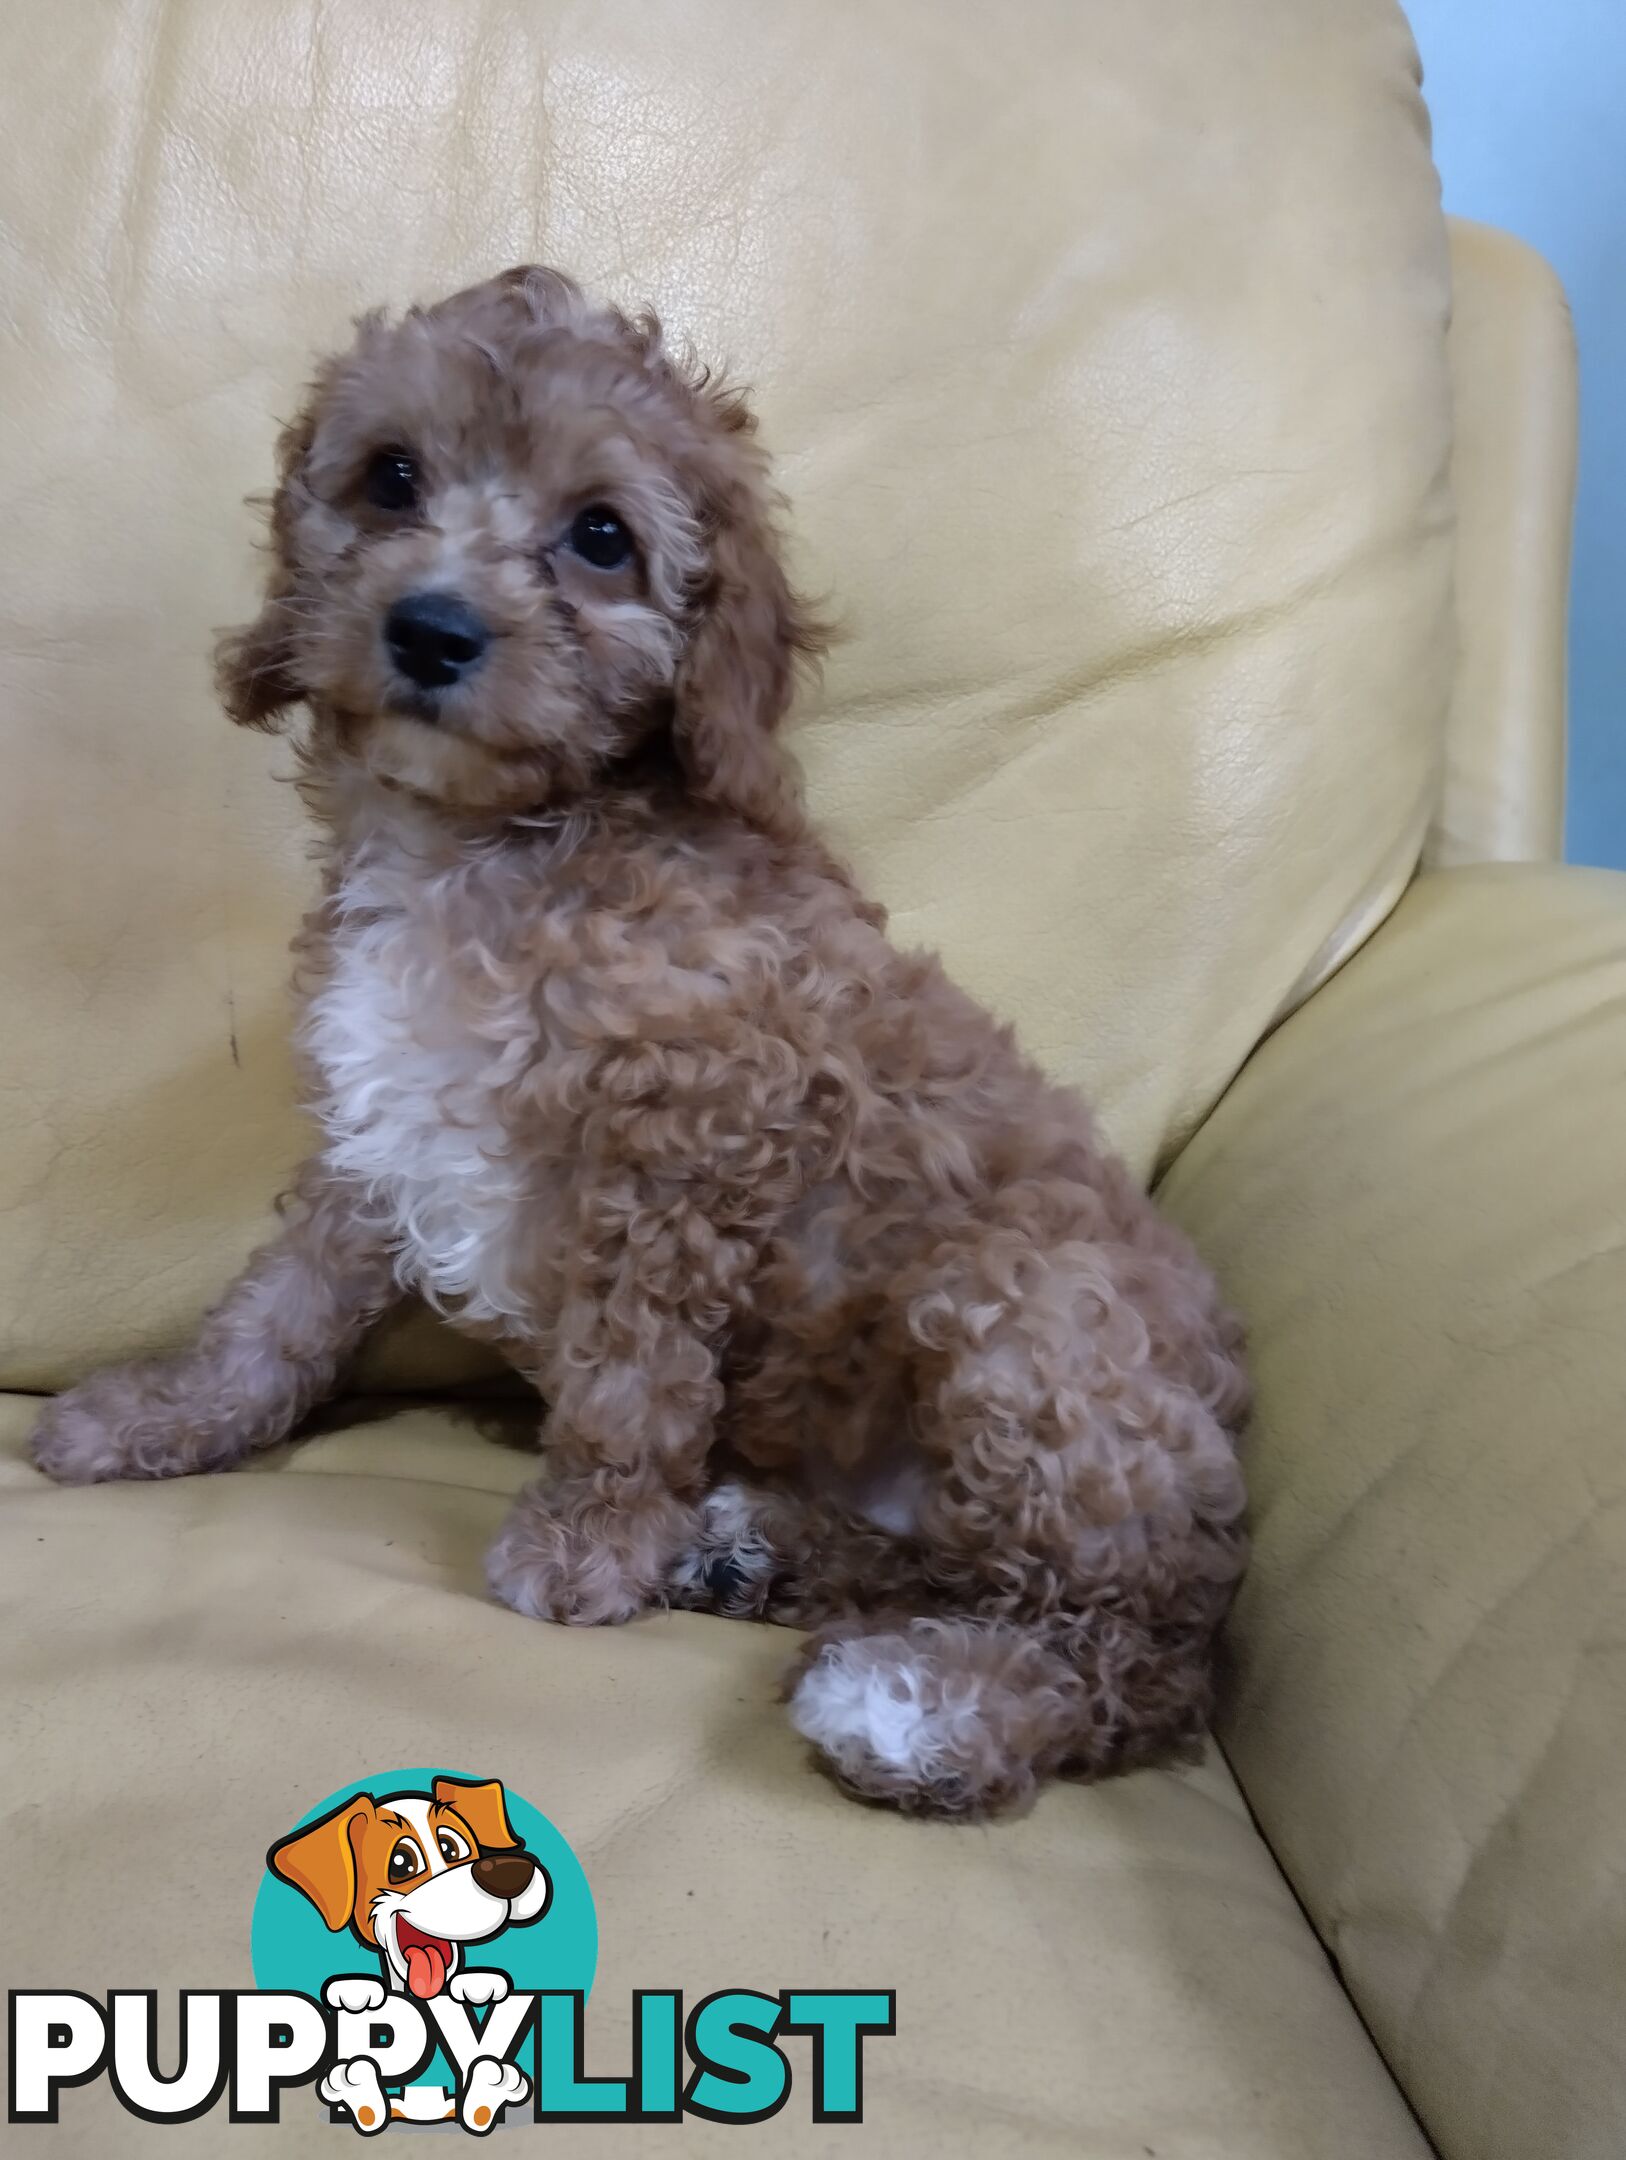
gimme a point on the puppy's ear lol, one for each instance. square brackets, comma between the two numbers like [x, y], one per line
[737, 676]
[482, 1807]
[254, 664]
[253, 667]
[320, 1860]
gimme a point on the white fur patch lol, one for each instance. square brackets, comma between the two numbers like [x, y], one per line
[855, 1702]
[411, 1103]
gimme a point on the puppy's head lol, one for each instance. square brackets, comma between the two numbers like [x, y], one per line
[513, 543]
[417, 1875]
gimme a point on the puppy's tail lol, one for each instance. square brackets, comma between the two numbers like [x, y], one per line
[964, 1716]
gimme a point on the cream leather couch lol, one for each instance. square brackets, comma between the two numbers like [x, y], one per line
[1106, 349]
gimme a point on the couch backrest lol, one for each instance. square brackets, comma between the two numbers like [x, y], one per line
[1103, 348]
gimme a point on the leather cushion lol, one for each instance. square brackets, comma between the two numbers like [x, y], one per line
[191, 1666]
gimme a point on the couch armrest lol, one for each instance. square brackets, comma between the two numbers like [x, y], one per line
[1416, 1193]
[1513, 385]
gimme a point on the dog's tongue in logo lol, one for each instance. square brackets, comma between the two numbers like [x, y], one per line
[427, 1957]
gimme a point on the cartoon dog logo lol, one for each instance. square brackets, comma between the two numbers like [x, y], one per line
[416, 1877]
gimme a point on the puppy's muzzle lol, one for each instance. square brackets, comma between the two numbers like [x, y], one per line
[435, 639]
[504, 1875]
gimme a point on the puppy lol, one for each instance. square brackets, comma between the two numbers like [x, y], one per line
[415, 1877]
[844, 1316]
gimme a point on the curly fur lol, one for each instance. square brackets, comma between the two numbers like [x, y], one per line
[844, 1315]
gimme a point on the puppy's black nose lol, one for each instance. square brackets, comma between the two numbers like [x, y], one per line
[504, 1874]
[435, 638]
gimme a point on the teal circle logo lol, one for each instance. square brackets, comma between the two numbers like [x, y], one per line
[423, 1944]
[417, 1876]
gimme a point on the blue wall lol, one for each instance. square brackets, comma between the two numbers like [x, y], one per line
[1529, 105]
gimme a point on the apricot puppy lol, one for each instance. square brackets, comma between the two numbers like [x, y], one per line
[843, 1314]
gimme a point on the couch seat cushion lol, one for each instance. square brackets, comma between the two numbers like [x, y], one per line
[191, 1666]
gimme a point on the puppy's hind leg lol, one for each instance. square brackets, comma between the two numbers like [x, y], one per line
[944, 1716]
[1087, 1535]
[967, 1715]
[267, 1353]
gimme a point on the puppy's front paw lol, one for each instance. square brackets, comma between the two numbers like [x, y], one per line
[563, 1555]
[728, 1565]
[479, 1985]
[169, 1418]
[354, 1992]
[111, 1426]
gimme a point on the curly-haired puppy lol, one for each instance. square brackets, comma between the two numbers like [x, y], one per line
[844, 1315]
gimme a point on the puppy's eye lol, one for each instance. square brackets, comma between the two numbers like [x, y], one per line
[405, 1860]
[599, 537]
[391, 480]
[452, 1847]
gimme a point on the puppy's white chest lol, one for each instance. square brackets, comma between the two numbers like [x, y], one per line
[414, 1057]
